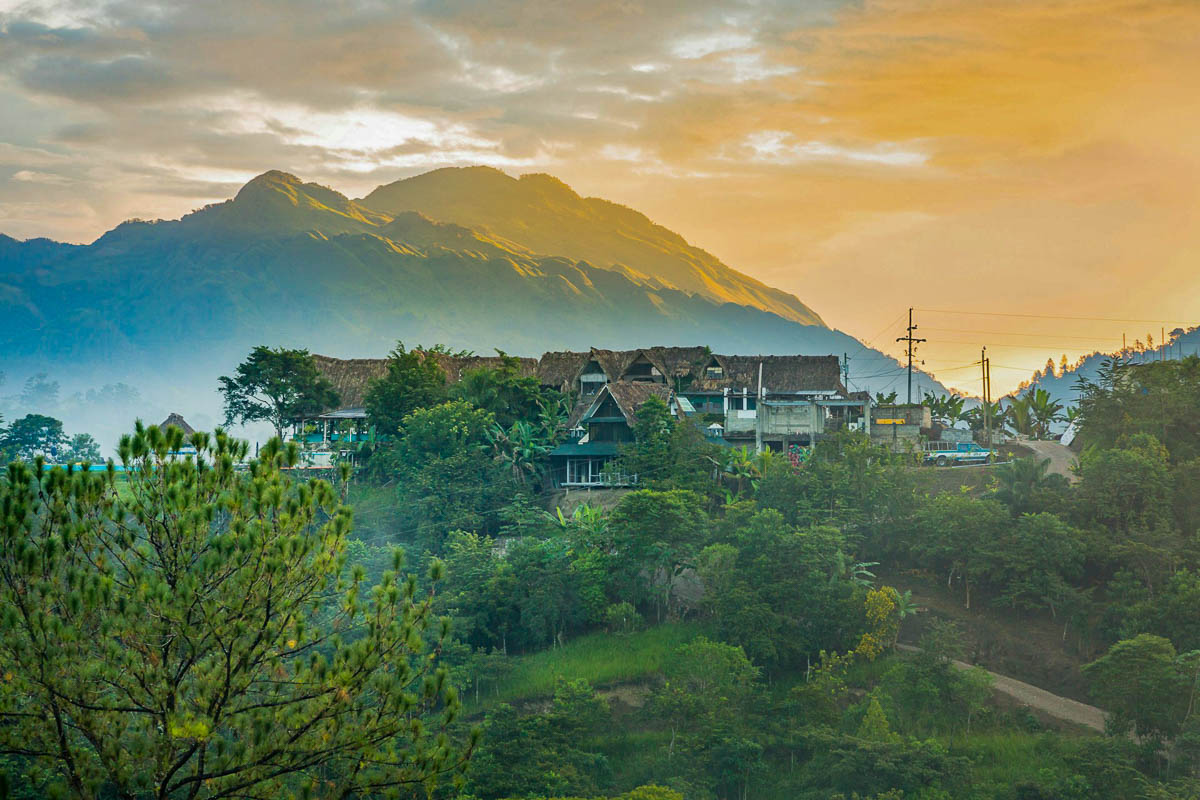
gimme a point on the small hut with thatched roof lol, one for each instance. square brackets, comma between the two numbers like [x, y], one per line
[175, 420]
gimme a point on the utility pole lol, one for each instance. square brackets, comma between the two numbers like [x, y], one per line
[987, 396]
[911, 340]
[846, 370]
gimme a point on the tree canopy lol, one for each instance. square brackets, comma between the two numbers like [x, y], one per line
[195, 634]
[413, 381]
[276, 386]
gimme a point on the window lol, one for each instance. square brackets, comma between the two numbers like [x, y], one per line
[714, 371]
[739, 403]
[584, 471]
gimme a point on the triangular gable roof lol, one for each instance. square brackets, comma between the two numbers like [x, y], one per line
[680, 361]
[174, 420]
[655, 360]
[613, 362]
[628, 395]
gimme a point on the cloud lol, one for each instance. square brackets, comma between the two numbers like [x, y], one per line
[824, 147]
[30, 176]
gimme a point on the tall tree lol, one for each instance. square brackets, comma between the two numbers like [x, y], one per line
[413, 381]
[194, 634]
[83, 447]
[1144, 686]
[647, 456]
[505, 391]
[276, 386]
[35, 435]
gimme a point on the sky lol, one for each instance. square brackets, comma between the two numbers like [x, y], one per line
[974, 160]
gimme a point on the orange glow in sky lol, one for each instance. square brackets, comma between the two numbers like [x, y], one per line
[1020, 157]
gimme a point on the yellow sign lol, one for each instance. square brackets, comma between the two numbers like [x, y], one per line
[890, 422]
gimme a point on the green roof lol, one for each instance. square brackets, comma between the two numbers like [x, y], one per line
[586, 449]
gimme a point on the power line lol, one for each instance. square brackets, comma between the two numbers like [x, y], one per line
[1047, 316]
[885, 330]
[1033, 335]
[1043, 347]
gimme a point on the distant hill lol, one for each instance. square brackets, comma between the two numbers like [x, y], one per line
[169, 305]
[1061, 384]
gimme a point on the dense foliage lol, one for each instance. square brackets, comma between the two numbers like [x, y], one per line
[193, 633]
[728, 628]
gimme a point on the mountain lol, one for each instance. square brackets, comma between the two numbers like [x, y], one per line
[167, 306]
[1061, 384]
[548, 217]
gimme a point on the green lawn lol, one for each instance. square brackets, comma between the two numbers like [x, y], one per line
[600, 658]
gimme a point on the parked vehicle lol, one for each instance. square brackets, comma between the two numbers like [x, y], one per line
[944, 454]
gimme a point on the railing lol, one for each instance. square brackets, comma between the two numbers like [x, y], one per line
[603, 481]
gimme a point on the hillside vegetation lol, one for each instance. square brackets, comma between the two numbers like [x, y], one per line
[721, 632]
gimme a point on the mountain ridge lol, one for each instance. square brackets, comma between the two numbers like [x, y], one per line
[603, 233]
[176, 303]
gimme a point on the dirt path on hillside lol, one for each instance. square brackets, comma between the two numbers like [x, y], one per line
[1061, 457]
[1052, 705]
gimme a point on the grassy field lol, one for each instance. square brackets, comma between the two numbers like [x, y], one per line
[600, 658]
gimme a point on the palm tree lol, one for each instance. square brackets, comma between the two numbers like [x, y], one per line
[1044, 410]
[905, 606]
[954, 408]
[552, 417]
[1018, 415]
[520, 448]
[587, 522]
[981, 415]
[936, 406]
[742, 467]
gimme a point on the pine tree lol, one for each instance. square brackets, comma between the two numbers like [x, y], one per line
[875, 727]
[193, 633]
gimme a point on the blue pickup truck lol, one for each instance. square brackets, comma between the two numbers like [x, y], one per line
[945, 454]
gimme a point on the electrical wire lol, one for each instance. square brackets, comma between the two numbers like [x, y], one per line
[1029, 335]
[1046, 316]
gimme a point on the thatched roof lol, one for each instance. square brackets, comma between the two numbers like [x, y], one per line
[350, 376]
[680, 361]
[561, 369]
[455, 366]
[780, 374]
[629, 396]
[558, 370]
[613, 362]
[632, 395]
[174, 420]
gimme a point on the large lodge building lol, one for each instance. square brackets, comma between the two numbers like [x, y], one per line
[761, 402]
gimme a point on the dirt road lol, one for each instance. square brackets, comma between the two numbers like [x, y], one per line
[1061, 457]
[1052, 705]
